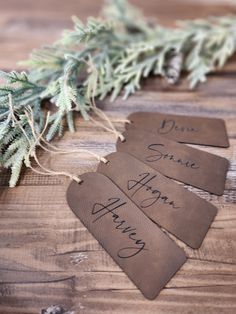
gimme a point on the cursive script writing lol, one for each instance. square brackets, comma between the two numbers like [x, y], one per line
[143, 182]
[100, 210]
[168, 156]
[170, 125]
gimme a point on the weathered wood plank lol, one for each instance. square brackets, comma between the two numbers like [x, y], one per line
[46, 255]
[90, 287]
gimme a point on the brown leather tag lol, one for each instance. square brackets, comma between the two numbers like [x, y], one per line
[170, 205]
[178, 161]
[184, 129]
[148, 256]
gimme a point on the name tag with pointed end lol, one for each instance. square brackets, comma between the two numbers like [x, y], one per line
[177, 161]
[184, 129]
[167, 203]
[146, 254]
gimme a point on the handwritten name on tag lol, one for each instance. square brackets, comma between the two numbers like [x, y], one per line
[136, 245]
[148, 256]
[168, 204]
[177, 161]
[145, 181]
[184, 129]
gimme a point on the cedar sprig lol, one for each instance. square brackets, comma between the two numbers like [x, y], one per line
[104, 57]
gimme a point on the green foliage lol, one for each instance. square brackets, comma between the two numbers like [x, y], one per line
[83, 33]
[101, 58]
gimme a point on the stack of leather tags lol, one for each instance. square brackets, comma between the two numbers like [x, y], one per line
[128, 202]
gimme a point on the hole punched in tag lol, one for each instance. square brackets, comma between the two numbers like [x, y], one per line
[165, 202]
[142, 250]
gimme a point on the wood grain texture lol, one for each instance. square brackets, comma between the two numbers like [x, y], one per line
[46, 255]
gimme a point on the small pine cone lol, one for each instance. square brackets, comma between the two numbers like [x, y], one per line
[173, 67]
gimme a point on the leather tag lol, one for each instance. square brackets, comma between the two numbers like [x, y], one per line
[184, 129]
[147, 255]
[177, 161]
[167, 203]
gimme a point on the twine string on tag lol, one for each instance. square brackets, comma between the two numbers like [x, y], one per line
[112, 128]
[38, 139]
[54, 149]
[92, 90]
[32, 152]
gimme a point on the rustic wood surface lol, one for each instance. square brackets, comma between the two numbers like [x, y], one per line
[46, 255]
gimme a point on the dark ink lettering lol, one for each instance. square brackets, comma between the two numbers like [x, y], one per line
[143, 182]
[168, 156]
[168, 126]
[100, 210]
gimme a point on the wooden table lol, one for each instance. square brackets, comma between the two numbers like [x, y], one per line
[47, 256]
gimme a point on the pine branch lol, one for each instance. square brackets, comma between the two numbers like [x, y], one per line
[101, 58]
[84, 33]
